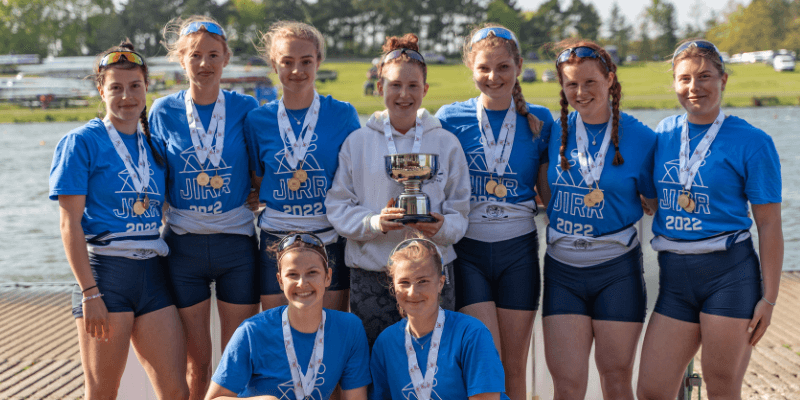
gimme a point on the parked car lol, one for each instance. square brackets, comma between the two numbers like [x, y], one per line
[725, 57]
[549, 76]
[529, 75]
[434, 58]
[783, 62]
[325, 75]
[533, 56]
[631, 58]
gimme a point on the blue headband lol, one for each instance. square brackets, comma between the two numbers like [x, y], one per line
[493, 31]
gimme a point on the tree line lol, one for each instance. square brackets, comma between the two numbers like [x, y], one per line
[356, 28]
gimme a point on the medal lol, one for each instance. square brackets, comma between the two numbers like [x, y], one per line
[592, 198]
[217, 182]
[146, 202]
[686, 202]
[300, 175]
[203, 179]
[294, 184]
[138, 206]
[690, 162]
[690, 207]
[424, 385]
[491, 186]
[591, 168]
[501, 190]
[303, 385]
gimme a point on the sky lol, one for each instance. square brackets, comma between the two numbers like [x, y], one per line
[688, 11]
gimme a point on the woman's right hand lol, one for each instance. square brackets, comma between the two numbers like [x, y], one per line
[388, 215]
[95, 316]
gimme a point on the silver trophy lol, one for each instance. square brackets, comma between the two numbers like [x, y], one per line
[411, 170]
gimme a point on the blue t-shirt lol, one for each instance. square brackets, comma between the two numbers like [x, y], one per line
[337, 119]
[527, 154]
[468, 363]
[172, 139]
[254, 362]
[620, 184]
[86, 163]
[741, 165]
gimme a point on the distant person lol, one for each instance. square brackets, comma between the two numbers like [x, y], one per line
[208, 228]
[357, 202]
[110, 189]
[715, 290]
[594, 289]
[299, 351]
[293, 145]
[432, 353]
[505, 140]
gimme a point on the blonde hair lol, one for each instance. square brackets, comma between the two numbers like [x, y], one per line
[178, 45]
[468, 55]
[287, 29]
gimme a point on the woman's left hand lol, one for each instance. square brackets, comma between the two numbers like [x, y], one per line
[252, 201]
[762, 316]
[429, 229]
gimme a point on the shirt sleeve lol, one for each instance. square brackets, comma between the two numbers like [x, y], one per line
[356, 369]
[69, 173]
[158, 131]
[251, 139]
[646, 182]
[763, 175]
[380, 380]
[482, 369]
[457, 190]
[236, 368]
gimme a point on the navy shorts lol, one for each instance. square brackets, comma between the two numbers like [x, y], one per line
[505, 272]
[138, 286]
[610, 291]
[197, 260]
[269, 266]
[725, 283]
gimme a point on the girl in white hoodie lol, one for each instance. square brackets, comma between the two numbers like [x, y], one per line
[357, 201]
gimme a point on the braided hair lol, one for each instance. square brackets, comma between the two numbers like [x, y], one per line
[614, 92]
[100, 78]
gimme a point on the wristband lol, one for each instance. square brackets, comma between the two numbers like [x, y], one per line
[768, 302]
[89, 288]
[92, 297]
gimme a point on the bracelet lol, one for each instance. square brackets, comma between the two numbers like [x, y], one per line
[89, 288]
[768, 302]
[92, 297]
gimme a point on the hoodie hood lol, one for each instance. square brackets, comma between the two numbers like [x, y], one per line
[429, 122]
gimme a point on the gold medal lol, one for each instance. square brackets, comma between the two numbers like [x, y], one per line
[146, 202]
[684, 200]
[294, 184]
[501, 190]
[588, 200]
[138, 207]
[203, 179]
[300, 175]
[217, 182]
[690, 207]
[491, 186]
[597, 196]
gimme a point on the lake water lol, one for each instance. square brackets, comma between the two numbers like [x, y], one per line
[30, 241]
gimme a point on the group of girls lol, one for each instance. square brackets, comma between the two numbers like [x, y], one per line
[330, 242]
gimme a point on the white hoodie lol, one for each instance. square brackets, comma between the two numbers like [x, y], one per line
[362, 188]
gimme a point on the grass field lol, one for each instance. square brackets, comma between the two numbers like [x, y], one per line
[644, 86]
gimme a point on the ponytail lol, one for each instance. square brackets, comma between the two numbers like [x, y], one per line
[146, 128]
[522, 109]
[564, 131]
[616, 94]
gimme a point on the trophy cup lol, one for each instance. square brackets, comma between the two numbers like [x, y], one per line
[410, 170]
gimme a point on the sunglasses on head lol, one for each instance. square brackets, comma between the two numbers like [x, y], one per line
[425, 242]
[210, 27]
[580, 52]
[120, 56]
[703, 44]
[308, 238]
[399, 52]
[493, 31]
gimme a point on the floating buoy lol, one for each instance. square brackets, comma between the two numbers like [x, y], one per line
[41, 143]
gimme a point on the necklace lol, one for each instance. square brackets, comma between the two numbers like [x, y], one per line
[594, 135]
[421, 345]
[295, 118]
[699, 134]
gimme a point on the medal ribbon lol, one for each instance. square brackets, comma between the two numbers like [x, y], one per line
[591, 168]
[423, 387]
[690, 166]
[497, 154]
[296, 151]
[140, 175]
[303, 384]
[387, 131]
[203, 140]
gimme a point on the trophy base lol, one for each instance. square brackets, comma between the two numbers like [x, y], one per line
[413, 218]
